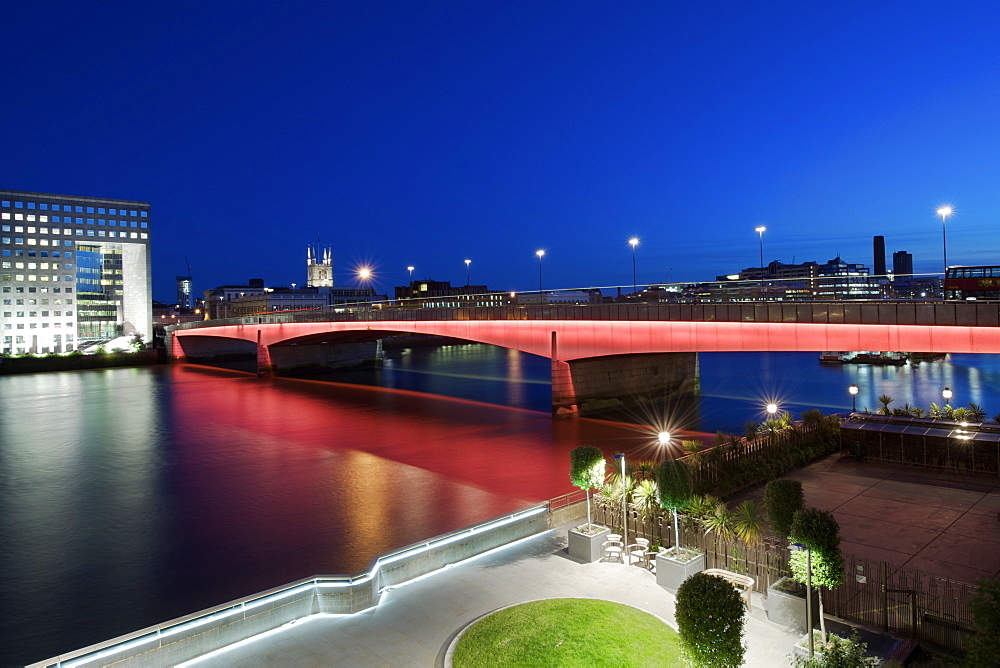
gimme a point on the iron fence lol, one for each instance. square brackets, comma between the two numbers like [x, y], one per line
[901, 601]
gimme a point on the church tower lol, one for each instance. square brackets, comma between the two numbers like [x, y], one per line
[319, 274]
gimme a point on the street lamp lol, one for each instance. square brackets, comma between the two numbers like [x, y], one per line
[947, 394]
[410, 269]
[760, 229]
[633, 242]
[944, 212]
[540, 253]
[771, 408]
[798, 547]
[467, 263]
[663, 438]
[853, 389]
[621, 456]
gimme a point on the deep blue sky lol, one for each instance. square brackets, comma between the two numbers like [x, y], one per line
[427, 133]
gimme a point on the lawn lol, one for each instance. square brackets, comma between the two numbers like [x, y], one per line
[568, 632]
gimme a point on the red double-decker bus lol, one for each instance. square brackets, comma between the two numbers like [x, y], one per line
[981, 282]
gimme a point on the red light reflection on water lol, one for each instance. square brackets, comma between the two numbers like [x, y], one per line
[327, 475]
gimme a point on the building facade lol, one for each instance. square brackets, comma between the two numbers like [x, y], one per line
[73, 271]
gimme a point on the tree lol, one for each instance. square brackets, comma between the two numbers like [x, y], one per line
[984, 647]
[710, 619]
[819, 531]
[136, 344]
[675, 488]
[748, 523]
[885, 400]
[587, 470]
[782, 499]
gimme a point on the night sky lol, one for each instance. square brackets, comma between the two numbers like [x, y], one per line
[425, 133]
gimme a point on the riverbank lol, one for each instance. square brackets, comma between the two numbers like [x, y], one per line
[72, 362]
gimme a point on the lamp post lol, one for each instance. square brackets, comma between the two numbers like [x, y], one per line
[760, 229]
[633, 242]
[540, 253]
[947, 394]
[944, 212]
[798, 547]
[410, 269]
[467, 263]
[853, 389]
[621, 456]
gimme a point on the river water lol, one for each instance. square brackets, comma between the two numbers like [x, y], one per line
[132, 496]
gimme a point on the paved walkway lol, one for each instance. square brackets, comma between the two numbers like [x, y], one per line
[415, 622]
[938, 522]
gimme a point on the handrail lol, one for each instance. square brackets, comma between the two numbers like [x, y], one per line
[224, 610]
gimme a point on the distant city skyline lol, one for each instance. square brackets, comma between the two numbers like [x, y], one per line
[412, 135]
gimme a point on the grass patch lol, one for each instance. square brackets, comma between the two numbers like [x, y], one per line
[569, 632]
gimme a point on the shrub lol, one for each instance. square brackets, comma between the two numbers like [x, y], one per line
[782, 499]
[710, 619]
[819, 531]
[586, 470]
[839, 652]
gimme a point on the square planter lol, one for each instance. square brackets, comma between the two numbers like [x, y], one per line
[671, 572]
[789, 610]
[586, 547]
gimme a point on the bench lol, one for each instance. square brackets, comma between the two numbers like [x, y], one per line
[901, 651]
[743, 583]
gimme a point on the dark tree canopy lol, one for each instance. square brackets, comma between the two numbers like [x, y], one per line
[819, 531]
[674, 484]
[586, 470]
[984, 647]
[710, 619]
[782, 499]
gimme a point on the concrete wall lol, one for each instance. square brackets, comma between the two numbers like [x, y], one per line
[209, 630]
[590, 386]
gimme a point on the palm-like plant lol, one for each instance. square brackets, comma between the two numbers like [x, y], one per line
[720, 521]
[750, 430]
[960, 414]
[918, 412]
[935, 410]
[642, 471]
[693, 449]
[976, 412]
[885, 400]
[748, 522]
[996, 418]
[701, 506]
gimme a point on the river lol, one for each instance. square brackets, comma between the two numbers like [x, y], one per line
[132, 496]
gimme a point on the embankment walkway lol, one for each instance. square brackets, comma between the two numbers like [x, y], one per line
[414, 623]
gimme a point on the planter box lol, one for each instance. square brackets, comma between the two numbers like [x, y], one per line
[789, 610]
[670, 572]
[586, 547]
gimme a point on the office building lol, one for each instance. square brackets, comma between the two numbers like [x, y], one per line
[73, 271]
[878, 246]
[184, 292]
[902, 263]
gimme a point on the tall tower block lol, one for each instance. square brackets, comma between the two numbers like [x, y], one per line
[879, 248]
[319, 274]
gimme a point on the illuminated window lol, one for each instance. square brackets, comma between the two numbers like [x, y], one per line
[43, 207]
[31, 205]
[90, 209]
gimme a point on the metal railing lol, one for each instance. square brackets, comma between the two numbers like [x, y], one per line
[968, 314]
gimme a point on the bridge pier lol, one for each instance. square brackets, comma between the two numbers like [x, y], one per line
[264, 365]
[593, 386]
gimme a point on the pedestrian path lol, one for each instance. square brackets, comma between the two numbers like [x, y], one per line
[414, 623]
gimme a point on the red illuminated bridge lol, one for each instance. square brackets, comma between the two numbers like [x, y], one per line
[607, 351]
